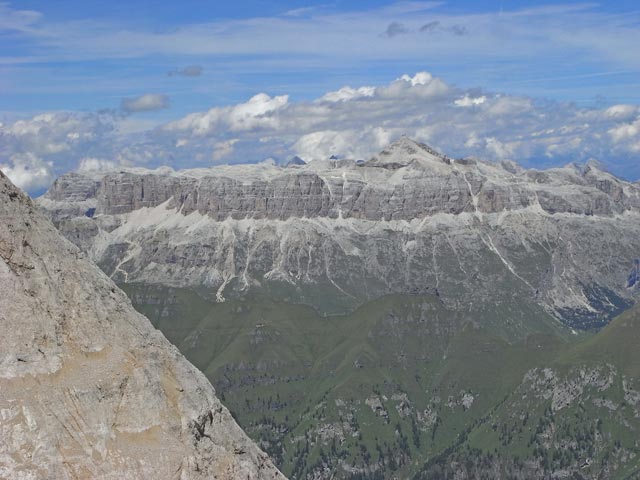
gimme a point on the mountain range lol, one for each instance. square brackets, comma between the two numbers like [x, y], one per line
[410, 316]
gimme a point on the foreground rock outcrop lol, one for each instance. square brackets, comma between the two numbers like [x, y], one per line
[88, 388]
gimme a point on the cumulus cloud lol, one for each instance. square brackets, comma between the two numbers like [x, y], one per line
[189, 71]
[430, 26]
[351, 143]
[627, 134]
[347, 93]
[223, 149]
[394, 29]
[352, 122]
[468, 101]
[92, 164]
[28, 172]
[145, 103]
[258, 112]
[358, 121]
[55, 132]
[34, 150]
[623, 112]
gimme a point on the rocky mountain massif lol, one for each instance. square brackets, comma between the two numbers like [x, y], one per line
[335, 234]
[88, 388]
[412, 316]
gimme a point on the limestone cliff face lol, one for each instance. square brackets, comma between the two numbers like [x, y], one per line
[408, 220]
[407, 181]
[88, 388]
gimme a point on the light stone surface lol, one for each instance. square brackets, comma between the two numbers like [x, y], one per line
[88, 388]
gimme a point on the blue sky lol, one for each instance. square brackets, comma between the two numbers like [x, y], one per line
[44, 71]
[152, 63]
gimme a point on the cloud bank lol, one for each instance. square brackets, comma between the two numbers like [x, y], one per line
[354, 121]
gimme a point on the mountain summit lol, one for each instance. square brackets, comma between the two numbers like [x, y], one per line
[88, 388]
[406, 151]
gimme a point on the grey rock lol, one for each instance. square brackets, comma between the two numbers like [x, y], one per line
[408, 220]
[295, 162]
[88, 388]
[406, 181]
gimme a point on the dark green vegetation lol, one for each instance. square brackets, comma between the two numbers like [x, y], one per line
[403, 388]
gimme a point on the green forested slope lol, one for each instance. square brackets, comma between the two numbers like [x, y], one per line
[402, 387]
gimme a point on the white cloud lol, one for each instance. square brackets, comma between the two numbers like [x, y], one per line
[347, 93]
[505, 106]
[91, 164]
[257, 112]
[28, 171]
[627, 135]
[223, 149]
[321, 145]
[55, 132]
[358, 121]
[622, 112]
[351, 122]
[354, 144]
[625, 131]
[500, 150]
[467, 101]
[422, 85]
[145, 103]
[420, 78]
